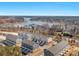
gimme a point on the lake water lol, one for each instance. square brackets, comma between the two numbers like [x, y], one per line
[27, 22]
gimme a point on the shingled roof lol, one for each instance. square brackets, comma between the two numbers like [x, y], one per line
[57, 48]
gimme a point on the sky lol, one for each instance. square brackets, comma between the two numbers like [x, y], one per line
[40, 8]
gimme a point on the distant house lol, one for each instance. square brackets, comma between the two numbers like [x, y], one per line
[52, 51]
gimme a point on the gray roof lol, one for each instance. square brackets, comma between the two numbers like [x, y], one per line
[59, 47]
[11, 37]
